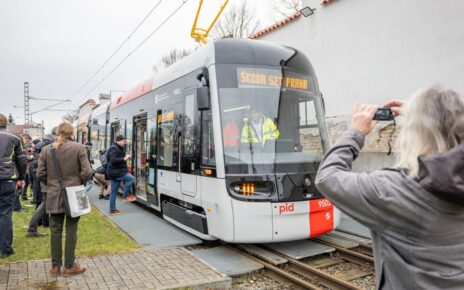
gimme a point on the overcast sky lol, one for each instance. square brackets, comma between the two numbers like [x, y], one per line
[58, 45]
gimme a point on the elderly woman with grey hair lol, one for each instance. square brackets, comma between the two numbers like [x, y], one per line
[415, 211]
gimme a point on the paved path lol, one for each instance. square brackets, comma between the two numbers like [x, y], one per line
[161, 269]
[147, 229]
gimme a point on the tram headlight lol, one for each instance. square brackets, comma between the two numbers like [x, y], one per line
[307, 181]
[252, 189]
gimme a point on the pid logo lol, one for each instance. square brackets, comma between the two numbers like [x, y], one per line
[286, 208]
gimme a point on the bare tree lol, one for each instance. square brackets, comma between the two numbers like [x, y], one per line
[174, 56]
[239, 22]
[11, 120]
[286, 8]
[70, 117]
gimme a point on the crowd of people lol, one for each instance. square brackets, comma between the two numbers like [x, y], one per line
[28, 165]
[414, 210]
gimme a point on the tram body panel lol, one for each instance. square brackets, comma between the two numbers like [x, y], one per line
[218, 207]
[252, 222]
[188, 196]
[290, 220]
[168, 184]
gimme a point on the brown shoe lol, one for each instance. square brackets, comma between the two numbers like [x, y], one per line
[127, 199]
[55, 271]
[74, 270]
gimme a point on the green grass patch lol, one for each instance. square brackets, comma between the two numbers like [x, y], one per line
[96, 236]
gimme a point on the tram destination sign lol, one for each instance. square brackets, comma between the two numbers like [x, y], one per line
[249, 77]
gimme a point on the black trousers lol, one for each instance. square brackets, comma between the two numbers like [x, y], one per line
[7, 200]
[56, 229]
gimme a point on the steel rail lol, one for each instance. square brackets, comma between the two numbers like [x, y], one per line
[277, 270]
[323, 278]
[350, 255]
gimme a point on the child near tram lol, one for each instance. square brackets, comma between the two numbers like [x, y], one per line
[116, 172]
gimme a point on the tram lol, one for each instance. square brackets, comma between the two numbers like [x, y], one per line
[192, 161]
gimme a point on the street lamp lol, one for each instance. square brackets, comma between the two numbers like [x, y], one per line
[306, 10]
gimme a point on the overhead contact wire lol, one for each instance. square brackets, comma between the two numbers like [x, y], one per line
[140, 44]
[118, 49]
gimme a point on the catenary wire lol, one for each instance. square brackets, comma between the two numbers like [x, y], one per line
[135, 49]
[117, 50]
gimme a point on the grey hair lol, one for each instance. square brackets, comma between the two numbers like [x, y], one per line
[433, 122]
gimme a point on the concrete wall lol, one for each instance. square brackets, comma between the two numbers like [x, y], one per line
[373, 51]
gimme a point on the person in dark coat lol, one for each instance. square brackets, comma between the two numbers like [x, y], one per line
[40, 192]
[415, 211]
[12, 174]
[116, 171]
[75, 171]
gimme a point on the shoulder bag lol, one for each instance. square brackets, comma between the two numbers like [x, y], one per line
[76, 198]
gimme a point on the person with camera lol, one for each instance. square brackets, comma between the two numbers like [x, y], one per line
[12, 173]
[116, 171]
[415, 211]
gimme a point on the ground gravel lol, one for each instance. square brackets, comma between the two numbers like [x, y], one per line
[258, 280]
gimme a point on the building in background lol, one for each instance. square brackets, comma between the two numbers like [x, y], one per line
[374, 51]
[84, 113]
[36, 131]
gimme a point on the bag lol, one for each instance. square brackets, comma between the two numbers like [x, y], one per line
[76, 198]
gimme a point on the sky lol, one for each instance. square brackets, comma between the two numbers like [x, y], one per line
[58, 45]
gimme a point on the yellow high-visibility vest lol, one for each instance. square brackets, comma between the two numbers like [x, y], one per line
[269, 131]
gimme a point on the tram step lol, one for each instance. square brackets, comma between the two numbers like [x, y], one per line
[186, 217]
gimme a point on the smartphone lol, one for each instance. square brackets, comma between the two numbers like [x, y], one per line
[383, 114]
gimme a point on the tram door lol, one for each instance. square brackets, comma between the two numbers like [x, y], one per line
[140, 164]
[115, 131]
[189, 147]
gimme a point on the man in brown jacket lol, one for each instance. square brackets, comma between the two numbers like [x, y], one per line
[75, 170]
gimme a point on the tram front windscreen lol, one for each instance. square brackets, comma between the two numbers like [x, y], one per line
[271, 120]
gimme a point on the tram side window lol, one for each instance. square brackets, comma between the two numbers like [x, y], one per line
[129, 145]
[191, 135]
[167, 136]
[309, 134]
[208, 152]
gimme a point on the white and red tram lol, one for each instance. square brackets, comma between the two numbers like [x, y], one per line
[184, 129]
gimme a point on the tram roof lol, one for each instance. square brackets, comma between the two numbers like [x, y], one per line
[100, 110]
[229, 51]
[137, 91]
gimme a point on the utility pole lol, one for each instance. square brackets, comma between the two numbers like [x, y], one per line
[27, 113]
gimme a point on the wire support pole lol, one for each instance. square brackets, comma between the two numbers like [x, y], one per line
[27, 115]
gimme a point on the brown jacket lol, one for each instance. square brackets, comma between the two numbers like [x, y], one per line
[75, 170]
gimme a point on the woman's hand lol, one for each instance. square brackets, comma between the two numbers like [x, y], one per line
[363, 118]
[396, 106]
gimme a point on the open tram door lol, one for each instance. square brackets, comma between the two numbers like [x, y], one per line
[140, 151]
[152, 196]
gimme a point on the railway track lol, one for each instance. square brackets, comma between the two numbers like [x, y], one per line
[315, 273]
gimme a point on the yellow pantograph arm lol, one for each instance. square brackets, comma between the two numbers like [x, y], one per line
[200, 34]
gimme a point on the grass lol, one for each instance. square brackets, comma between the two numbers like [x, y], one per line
[96, 236]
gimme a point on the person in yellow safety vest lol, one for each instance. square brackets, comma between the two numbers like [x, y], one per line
[258, 129]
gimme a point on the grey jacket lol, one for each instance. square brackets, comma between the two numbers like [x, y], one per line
[418, 233]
